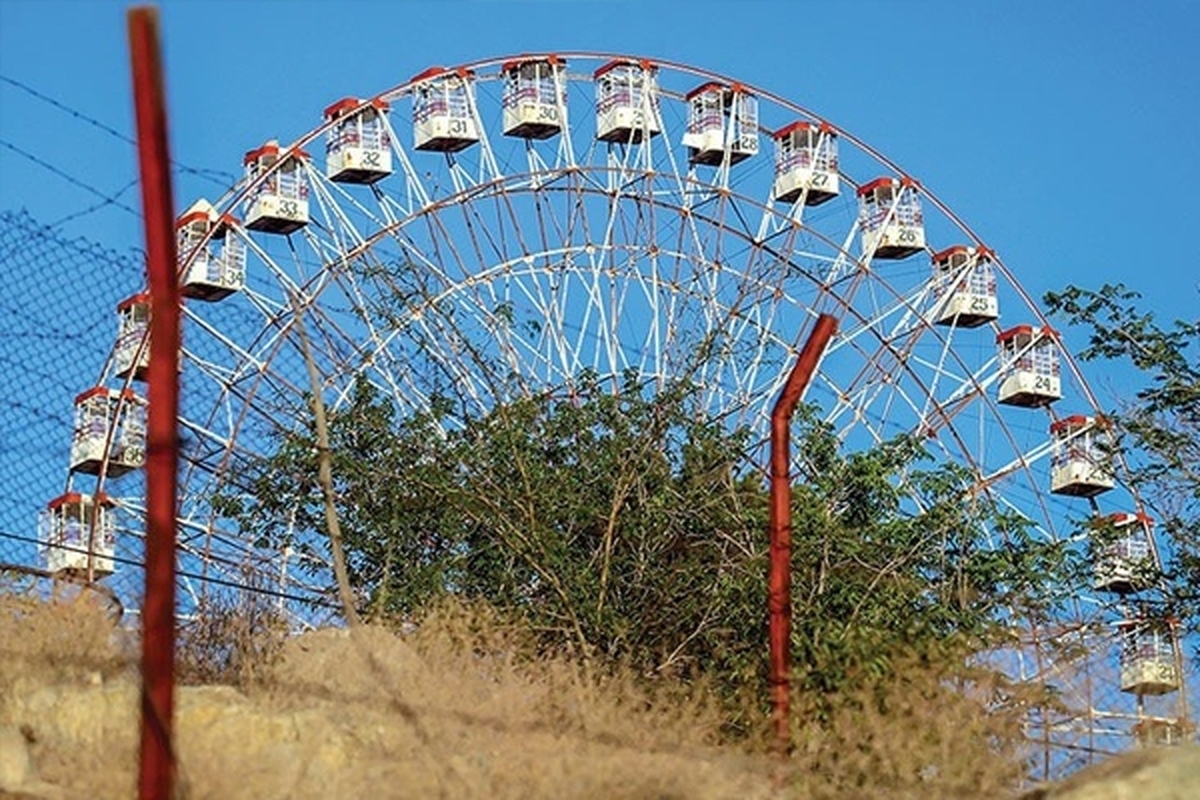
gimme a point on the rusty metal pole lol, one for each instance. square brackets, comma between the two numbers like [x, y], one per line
[157, 771]
[779, 599]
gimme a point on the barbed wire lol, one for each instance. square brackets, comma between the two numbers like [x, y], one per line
[220, 177]
[108, 199]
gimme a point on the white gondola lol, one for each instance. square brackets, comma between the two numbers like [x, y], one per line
[1148, 663]
[535, 97]
[216, 264]
[806, 160]
[76, 529]
[357, 149]
[444, 119]
[278, 203]
[893, 226]
[1160, 732]
[626, 102]
[964, 287]
[132, 354]
[108, 416]
[1029, 366]
[1124, 564]
[1081, 465]
[722, 124]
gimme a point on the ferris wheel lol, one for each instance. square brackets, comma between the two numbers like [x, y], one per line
[497, 229]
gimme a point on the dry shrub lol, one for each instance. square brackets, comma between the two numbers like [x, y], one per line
[465, 705]
[69, 637]
[232, 642]
[928, 727]
[921, 731]
[562, 693]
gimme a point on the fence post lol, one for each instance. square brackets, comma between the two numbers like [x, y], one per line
[779, 598]
[157, 769]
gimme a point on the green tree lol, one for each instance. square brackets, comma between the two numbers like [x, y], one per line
[630, 527]
[1158, 426]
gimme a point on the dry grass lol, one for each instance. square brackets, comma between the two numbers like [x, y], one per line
[478, 714]
[463, 706]
[72, 638]
[562, 694]
[230, 643]
[922, 732]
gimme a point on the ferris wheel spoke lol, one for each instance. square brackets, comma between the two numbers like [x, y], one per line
[417, 196]
[337, 223]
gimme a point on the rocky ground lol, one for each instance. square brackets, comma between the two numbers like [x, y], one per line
[370, 713]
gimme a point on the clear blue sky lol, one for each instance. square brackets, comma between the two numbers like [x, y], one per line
[1064, 133]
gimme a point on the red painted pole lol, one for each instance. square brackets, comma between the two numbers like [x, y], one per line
[779, 598]
[162, 446]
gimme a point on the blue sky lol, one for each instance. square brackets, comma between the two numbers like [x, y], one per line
[1064, 133]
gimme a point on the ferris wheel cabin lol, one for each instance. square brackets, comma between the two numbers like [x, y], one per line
[806, 163]
[1148, 663]
[1081, 466]
[1029, 367]
[76, 528]
[214, 265]
[626, 102]
[722, 124]
[357, 149]
[132, 355]
[535, 98]
[278, 201]
[1160, 732]
[964, 285]
[444, 119]
[108, 417]
[1124, 565]
[893, 226]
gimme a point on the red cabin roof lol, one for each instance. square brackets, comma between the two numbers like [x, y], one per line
[711, 86]
[1014, 332]
[1127, 518]
[270, 149]
[138, 299]
[433, 72]
[803, 125]
[76, 497]
[1147, 624]
[1011, 333]
[1073, 422]
[603, 69]
[125, 394]
[519, 61]
[347, 104]
[427, 73]
[867, 188]
[194, 216]
[981, 253]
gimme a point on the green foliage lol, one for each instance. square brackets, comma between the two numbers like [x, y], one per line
[889, 558]
[1159, 426]
[630, 528]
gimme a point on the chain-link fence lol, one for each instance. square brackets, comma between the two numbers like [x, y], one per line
[58, 325]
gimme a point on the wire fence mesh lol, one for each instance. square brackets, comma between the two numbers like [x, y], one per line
[58, 323]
